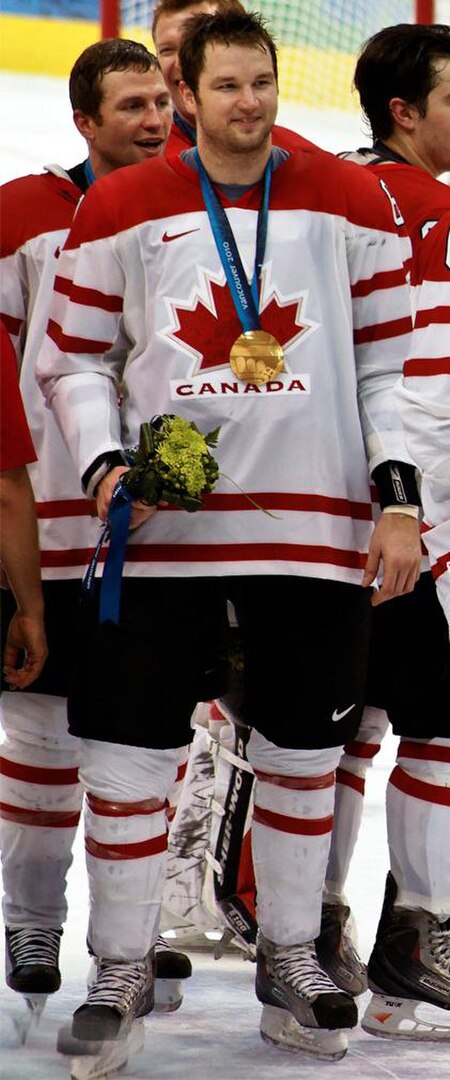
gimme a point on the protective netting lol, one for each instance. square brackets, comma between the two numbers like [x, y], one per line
[318, 41]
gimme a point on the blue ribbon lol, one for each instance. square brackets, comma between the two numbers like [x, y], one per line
[245, 297]
[187, 128]
[88, 172]
[115, 530]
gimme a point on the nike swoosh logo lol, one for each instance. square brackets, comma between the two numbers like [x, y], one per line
[176, 236]
[338, 715]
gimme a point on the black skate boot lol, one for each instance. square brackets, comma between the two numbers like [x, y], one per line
[32, 956]
[336, 950]
[121, 993]
[290, 980]
[171, 967]
[409, 974]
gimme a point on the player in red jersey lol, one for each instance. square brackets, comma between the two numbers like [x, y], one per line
[19, 548]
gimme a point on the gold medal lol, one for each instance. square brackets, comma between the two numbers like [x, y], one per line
[256, 357]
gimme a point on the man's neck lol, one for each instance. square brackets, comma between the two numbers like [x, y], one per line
[238, 168]
[404, 146]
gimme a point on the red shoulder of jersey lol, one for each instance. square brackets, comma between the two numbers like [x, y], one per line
[176, 142]
[433, 263]
[421, 198]
[290, 140]
[32, 205]
[16, 447]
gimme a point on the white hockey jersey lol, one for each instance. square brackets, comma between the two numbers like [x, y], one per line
[141, 302]
[424, 397]
[37, 212]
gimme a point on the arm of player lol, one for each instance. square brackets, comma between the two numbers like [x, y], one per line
[25, 644]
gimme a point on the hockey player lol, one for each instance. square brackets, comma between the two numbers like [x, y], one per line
[19, 548]
[147, 280]
[169, 22]
[425, 406]
[122, 108]
[403, 80]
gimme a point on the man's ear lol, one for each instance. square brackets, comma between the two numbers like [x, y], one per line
[188, 97]
[403, 113]
[84, 124]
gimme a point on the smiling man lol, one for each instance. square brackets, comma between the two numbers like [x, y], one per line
[122, 107]
[212, 270]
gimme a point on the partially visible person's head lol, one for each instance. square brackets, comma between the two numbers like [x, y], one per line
[169, 23]
[121, 104]
[403, 61]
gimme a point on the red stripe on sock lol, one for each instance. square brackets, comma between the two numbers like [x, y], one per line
[55, 819]
[350, 780]
[361, 749]
[297, 783]
[299, 826]
[35, 774]
[126, 809]
[423, 751]
[121, 852]
[431, 793]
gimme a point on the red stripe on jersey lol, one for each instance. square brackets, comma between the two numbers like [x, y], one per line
[79, 294]
[385, 279]
[60, 508]
[270, 500]
[121, 852]
[55, 819]
[441, 565]
[361, 749]
[126, 809]
[311, 553]
[432, 316]
[34, 774]
[383, 331]
[297, 783]
[423, 751]
[431, 793]
[55, 560]
[298, 826]
[69, 344]
[348, 779]
[11, 324]
[439, 366]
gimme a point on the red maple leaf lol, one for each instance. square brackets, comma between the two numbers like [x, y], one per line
[211, 333]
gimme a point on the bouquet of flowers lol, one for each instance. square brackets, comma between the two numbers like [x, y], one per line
[172, 463]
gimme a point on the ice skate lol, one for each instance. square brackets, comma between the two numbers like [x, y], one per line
[290, 978]
[336, 950]
[122, 992]
[32, 956]
[409, 974]
[281, 1029]
[171, 967]
[93, 1060]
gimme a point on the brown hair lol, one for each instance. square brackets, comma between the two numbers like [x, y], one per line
[231, 28]
[167, 7]
[112, 54]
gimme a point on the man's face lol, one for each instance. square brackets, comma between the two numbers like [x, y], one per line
[432, 133]
[167, 38]
[237, 97]
[134, 122]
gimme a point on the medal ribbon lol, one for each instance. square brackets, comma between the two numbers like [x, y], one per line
[245, 297]
[115, 530]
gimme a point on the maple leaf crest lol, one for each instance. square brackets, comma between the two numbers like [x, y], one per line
[208, 325]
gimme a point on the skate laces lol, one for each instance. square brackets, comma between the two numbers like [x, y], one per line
[439, 935]
[118, 983]
[162, 945]
[29, 945]
[298, 967]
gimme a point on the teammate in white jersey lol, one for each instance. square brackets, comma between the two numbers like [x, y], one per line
[122, 108]
[143, 301]
[403, 79]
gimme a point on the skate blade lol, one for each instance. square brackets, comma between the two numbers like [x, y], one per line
[36, 1005]
[168, 995]
[110, 1056]
[14, 1029]
[281, 1029]
[404, 1018]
